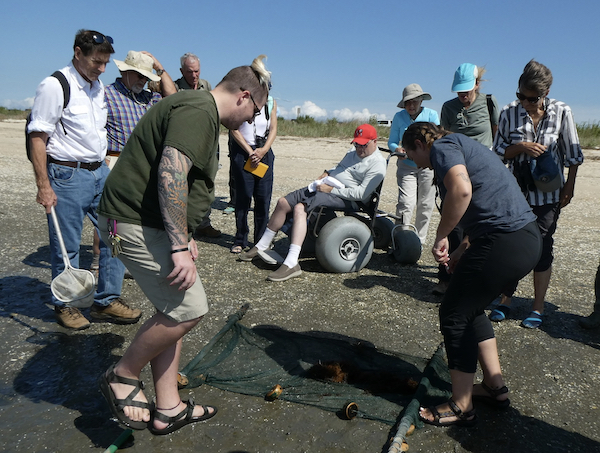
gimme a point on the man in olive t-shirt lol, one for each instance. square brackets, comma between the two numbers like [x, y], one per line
[187, 121]
[156, 195]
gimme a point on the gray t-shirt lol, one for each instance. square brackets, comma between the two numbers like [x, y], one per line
[497, 203]
[475, 122]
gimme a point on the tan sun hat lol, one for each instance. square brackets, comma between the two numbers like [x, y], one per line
[413, 91]
[138, 62]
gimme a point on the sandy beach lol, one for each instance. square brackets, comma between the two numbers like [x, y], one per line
[49, 399]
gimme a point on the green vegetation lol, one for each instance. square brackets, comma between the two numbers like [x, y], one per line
[13, 114]
[306, 126]
[589, 135]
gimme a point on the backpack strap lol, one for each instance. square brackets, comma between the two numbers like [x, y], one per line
[66, 98]
[490, 106]
[65, 86]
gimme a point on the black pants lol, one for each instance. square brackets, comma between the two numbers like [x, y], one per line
[249, 187]
[492, 262]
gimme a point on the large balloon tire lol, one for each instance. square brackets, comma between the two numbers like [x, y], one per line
[310, 242]
[407, 246]
[344, 245]
[382, 233]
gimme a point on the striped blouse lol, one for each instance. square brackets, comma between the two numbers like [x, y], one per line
[556, 131]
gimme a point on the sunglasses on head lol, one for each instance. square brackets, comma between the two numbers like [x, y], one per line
[533, 100]
[100, 38]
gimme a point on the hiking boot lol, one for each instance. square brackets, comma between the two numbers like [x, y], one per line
[208, 232]
[71, 318]
[285, 273]
[117, 311]
[248, 255]
[592, 321]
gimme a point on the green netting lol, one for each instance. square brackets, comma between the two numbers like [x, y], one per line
[252, 361]
[434, 388]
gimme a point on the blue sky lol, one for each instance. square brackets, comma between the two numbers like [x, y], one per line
[330, 58]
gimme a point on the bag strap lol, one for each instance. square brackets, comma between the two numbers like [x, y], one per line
[490, 106]
[66, 98]
[65, 86]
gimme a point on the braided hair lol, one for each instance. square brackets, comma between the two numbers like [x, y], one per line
[425, 132]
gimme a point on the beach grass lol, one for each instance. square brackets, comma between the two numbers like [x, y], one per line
[589, 135]
[306, 126]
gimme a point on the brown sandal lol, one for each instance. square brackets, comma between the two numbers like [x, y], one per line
[492, 397]
[466, 419]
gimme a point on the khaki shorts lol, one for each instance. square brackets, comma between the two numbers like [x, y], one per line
[147, 255]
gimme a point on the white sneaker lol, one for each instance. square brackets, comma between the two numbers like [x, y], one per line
[270, 256]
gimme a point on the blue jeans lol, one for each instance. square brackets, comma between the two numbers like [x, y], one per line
[78, 193]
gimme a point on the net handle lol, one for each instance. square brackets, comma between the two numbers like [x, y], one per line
[63, 249]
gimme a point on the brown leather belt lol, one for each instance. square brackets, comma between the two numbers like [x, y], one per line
[91, 166]
[113, 153]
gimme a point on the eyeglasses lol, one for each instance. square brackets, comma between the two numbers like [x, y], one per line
[533, 100]
[100, 38]
[256, 109]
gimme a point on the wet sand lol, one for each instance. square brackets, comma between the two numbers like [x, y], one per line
[49, 399]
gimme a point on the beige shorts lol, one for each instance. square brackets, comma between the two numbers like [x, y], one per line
[147, 255]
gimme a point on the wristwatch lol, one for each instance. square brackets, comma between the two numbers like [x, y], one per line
[159, 72]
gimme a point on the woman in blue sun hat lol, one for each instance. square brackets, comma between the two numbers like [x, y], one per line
[471, 113]
[475, 115]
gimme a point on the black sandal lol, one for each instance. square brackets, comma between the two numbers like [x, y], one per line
[117, 405]
[466, 419]
[492, 397]
[179, 421]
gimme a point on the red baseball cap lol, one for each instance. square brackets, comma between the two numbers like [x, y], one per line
[364, 134]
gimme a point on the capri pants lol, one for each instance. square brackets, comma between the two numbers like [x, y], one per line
[492, 262]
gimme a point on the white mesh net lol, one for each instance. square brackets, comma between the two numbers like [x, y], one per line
[74, 287]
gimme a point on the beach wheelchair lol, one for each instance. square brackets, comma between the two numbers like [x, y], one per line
[345, 242]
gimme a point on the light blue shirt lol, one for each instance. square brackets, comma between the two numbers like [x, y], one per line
[401, 122]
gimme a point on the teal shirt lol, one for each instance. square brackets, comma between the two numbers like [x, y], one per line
[401, 122]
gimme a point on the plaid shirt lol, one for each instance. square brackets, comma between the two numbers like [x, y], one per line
[556, 130]
[125, 109]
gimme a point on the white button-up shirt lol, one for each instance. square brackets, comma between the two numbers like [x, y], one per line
[77, 133]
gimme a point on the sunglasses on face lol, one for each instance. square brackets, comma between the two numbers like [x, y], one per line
[100, 38]
[532, 100]
[358, 145]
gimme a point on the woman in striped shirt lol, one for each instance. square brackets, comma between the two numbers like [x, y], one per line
[531, 129]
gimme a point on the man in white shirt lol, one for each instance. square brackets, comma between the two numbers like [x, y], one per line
[68, 148]
[353, 179]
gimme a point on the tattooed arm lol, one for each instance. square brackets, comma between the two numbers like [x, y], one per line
[173, 169]
[456, 202]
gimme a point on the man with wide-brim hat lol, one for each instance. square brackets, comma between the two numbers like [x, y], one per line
[127, 100]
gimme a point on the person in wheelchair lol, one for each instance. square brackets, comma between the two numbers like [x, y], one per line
[352, 180]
